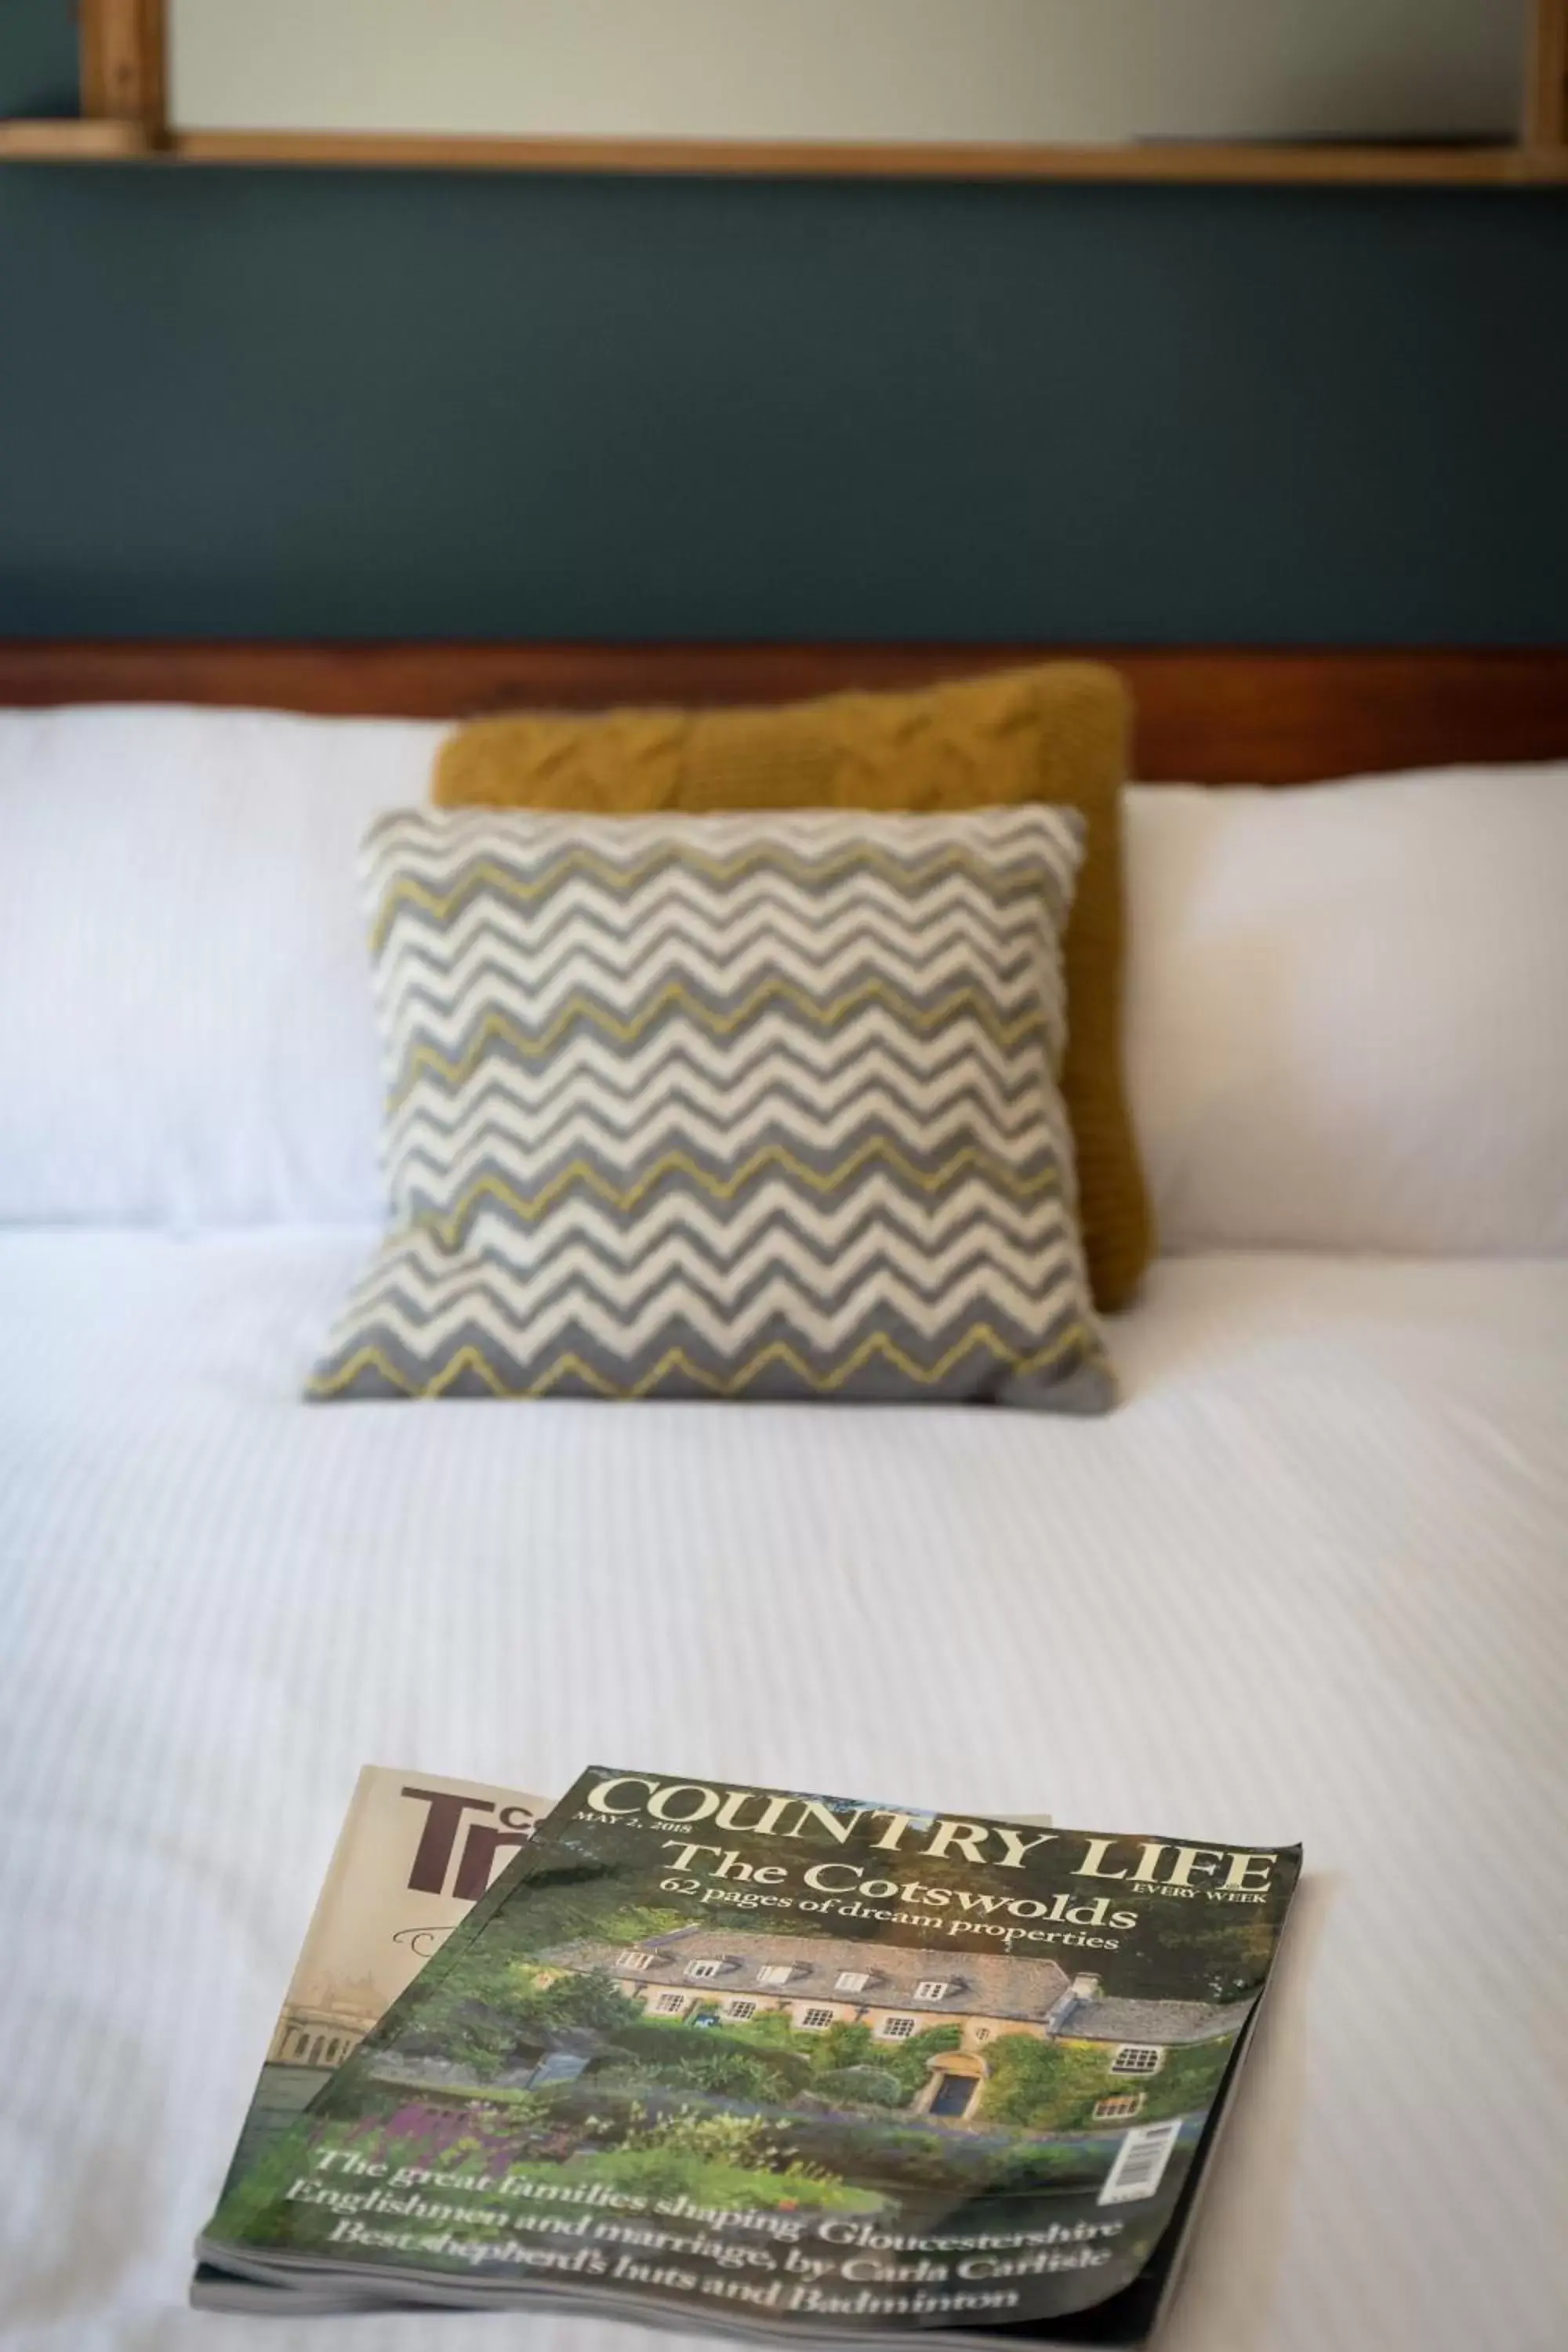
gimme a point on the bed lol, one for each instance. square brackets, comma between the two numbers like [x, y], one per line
[1308, 1581]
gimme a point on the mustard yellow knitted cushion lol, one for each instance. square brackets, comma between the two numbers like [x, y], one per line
[1057, 733]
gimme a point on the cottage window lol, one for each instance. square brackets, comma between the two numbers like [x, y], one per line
[815, 2019]
[740, 2010]
[897, 2028]
[634, 1960]
[670, 2004]
[776, 1973]
[853, 1980]
[1126, 2102]
[1137, 2058]
[706, 1969]
[933, 1988]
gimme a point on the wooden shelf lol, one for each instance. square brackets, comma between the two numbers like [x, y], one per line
[103, 140]
[1242, 163]
[795, 159]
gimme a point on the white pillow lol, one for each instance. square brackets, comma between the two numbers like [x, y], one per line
[186, 1026]
[1347, 1012]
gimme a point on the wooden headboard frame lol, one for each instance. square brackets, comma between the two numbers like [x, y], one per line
[1214, 716]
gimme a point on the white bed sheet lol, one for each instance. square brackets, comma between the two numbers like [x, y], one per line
[1310, 1581]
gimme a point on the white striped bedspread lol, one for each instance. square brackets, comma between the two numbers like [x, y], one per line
[1308, 1581]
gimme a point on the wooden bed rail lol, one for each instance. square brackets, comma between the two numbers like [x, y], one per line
[1207, 715]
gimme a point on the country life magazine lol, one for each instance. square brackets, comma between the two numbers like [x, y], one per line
[764, 2060]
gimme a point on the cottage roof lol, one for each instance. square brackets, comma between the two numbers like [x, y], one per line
[984, 1984]
[1168, 2022]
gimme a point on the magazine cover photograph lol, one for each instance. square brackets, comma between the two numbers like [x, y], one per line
[827, 2065]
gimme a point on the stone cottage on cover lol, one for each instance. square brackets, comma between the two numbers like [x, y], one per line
[899, 1991]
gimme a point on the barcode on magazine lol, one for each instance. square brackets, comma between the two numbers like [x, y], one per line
[1140, 2162]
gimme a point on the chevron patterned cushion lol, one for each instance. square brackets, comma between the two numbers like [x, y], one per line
[1055, 733]
[757, 1106]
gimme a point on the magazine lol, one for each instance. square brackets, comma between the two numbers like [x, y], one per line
[767, 2059]
[414, 1854]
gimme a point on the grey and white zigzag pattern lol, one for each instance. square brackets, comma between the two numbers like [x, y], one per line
[737, 1105]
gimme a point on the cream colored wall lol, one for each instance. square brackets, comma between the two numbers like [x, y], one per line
[852, 69]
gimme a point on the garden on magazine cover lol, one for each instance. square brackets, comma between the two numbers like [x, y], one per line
[527, 2089]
